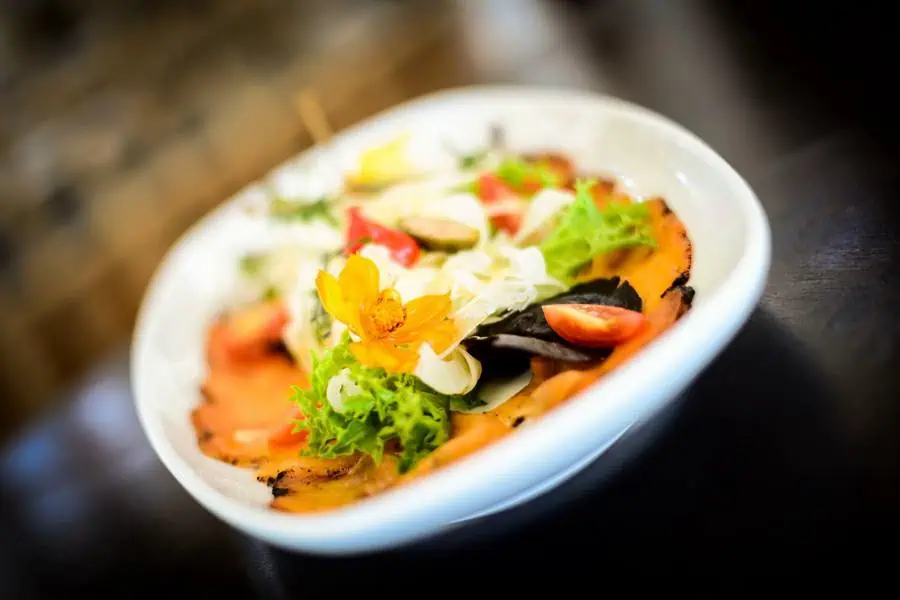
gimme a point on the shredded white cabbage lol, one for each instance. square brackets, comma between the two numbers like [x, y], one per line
[542, 212]
[485, 283]
[409, 283]
[518, 277]
[429, 198]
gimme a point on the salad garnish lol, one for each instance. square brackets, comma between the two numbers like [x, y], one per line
[351, 408]
[585, 231]
[388, 331]
[412, 317]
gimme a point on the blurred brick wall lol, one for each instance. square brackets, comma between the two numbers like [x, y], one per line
[109, 153]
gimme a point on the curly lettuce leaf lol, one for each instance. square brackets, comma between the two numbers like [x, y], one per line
[382, 408]
[516, 171]
[584, 231]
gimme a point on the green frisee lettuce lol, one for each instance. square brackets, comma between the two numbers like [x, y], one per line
[388, 407]
[585, 231]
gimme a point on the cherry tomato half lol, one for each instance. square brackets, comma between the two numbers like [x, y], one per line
[593, 325]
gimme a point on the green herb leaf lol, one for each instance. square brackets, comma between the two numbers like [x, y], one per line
[584, 231]
[251, 265]
[471, 161]
[388, 407]
[516, 171]
[291, 210]
[468, 187]
[513, 171]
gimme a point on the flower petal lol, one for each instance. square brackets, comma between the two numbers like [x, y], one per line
[387, 356]
[441, 335]
[359, 281]
[330, 294]
[421, 314]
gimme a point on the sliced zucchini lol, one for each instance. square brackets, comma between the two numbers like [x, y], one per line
[440, 234]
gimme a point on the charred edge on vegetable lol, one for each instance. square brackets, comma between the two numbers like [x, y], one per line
[205, 435]
[278, 348]
[277, 492]
[207, 397]
[687, 298]
[665, 207]
[680, 281]
[272, 480]
[331, 474]
[312, 477]
[519, 420]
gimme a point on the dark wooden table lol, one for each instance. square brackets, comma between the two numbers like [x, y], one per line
[783, 460]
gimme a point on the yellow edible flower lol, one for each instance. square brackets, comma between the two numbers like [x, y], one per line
[389, 331]
[383, 164]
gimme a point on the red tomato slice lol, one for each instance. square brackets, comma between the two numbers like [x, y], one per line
[491, 188]
[594, 325]
[507, 222]
[285, 438]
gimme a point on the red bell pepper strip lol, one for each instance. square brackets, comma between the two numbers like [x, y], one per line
[492, 189]
[361, 231]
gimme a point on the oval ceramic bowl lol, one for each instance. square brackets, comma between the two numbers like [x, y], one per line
[647, 153]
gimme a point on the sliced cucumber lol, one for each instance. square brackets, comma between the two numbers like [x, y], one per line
[440, 234]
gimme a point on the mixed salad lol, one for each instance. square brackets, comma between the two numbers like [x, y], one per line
[448, 309]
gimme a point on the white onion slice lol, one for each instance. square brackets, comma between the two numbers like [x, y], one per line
[456, 374]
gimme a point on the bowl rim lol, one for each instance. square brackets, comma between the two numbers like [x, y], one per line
[421, 508]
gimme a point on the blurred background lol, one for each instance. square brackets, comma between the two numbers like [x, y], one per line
[121, 123]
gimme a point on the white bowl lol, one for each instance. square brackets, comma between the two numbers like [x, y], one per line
[650, 155]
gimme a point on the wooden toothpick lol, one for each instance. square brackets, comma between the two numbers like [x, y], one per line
[313, 117]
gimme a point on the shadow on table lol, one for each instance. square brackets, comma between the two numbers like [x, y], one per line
[725, 458]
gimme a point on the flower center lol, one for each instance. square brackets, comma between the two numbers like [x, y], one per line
[388, 313]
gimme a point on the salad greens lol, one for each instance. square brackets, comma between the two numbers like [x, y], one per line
[351, 408]
[585, 231]
[382, 407]
[283, 209]
[470, 161]
[513, 172]
[516, 171]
